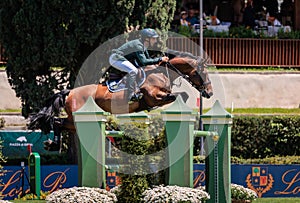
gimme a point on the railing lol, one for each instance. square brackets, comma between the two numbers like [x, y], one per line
[237, 51]
[243, 52]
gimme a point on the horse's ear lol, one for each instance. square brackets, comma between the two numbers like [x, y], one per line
[202, 63]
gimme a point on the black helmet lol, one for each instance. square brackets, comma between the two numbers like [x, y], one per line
[149, 32]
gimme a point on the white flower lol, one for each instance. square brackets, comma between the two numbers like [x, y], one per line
[174, 194]
[239, 192]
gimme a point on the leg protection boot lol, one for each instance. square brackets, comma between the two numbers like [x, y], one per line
[131, 85]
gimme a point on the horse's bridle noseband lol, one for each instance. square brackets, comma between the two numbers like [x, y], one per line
[203, 85]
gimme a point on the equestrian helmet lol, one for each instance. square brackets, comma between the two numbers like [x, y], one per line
[149, 33]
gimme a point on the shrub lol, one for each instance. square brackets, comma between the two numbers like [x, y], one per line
[239, 192]
[265, 136]
[269, 160]
[288, 35]
[174, 194]
[241, 32]
[136, 142]
[185, 31]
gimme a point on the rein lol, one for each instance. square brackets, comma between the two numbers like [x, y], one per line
[186, 77]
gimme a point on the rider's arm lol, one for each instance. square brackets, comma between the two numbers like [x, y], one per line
[147, 61]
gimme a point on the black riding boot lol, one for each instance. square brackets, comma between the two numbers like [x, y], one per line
[131, 86]
[54, 145]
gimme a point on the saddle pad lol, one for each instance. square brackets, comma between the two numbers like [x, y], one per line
[117, 85]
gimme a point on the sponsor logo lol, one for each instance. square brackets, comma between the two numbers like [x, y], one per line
[20, 142]
[22, 139]
[260, 180]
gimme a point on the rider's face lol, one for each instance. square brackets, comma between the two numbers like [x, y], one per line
[153, 42]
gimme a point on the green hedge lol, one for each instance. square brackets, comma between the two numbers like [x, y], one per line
[269, 160]
[265, 136]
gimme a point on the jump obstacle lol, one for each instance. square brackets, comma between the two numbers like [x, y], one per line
[179, 124]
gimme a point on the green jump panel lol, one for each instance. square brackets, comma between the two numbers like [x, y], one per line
[179, 121]
[90, 126]
[217, 162]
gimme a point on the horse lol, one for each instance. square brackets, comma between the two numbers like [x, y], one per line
[156, 90]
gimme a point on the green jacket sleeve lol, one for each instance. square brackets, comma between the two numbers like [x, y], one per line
[146, 61]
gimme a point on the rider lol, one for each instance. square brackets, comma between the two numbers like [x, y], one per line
[134, 53]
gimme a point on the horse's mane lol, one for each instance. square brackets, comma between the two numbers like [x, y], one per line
[173, 53]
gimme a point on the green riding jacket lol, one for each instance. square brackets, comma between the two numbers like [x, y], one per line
[135, 52]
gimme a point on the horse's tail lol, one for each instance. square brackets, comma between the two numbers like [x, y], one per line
[45, 118]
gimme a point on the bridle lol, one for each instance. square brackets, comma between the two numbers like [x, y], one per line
[200, 70]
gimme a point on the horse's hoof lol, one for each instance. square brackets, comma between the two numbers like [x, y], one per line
[206, 95]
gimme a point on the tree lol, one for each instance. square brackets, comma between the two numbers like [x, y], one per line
[39, 35]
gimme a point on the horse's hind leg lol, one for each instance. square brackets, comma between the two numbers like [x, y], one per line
[55, 144]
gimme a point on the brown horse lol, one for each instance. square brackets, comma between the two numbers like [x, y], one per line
[156, 91]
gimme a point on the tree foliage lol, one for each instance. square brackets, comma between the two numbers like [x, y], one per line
[39, 35]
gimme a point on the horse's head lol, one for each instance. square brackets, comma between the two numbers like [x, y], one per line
[196, 73]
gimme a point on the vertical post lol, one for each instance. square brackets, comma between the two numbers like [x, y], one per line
[179, 124]
[90, 125]
[217, 162]
[34, 163]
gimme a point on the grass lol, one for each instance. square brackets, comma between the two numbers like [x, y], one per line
[10, 110]
[255, 69]
[277, 200]
[292, 111]
[261, 111]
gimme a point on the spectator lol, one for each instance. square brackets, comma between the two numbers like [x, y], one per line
[192, 19]
[248, 17]
[183, 16]
[274, 21]
[238, 6]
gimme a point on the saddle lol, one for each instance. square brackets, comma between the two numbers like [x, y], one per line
[116, 80]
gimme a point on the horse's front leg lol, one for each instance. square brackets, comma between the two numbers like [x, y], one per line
[159, 97]
[165, 96]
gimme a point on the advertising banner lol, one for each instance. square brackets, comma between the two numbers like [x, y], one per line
[15, 142]
[266, 180]
[15, 179]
